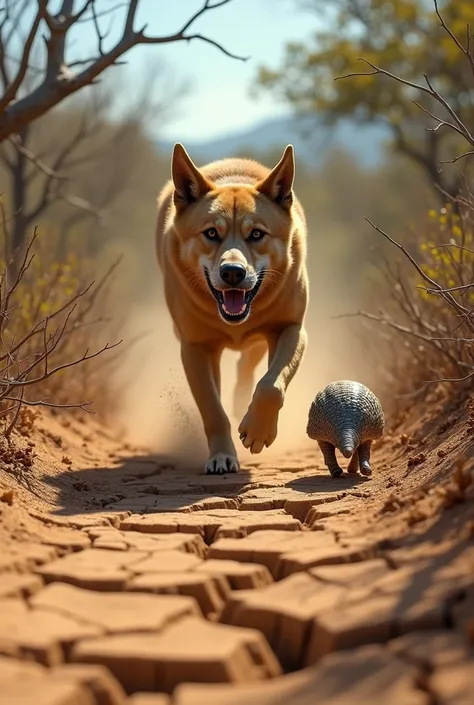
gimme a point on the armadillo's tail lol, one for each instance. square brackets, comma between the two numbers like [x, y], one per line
[348, 441]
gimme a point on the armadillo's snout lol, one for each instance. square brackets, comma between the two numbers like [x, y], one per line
[347, 443]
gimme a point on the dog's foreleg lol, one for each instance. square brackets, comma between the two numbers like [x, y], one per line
[260, 424]
[201, 365]
[248, 361]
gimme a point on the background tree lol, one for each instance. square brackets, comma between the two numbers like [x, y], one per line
[73, 157]
[61, 71]
[403, 37]
[74, 164]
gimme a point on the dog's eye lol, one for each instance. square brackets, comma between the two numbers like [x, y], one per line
[211, 234]
[256, 235]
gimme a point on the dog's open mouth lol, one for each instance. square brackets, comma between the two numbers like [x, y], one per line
[234, 304]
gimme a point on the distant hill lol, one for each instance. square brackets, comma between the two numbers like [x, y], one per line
[311, 140]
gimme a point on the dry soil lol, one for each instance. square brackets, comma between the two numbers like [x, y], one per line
[128, 580]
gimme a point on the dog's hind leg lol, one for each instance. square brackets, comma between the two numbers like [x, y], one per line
[246, 365]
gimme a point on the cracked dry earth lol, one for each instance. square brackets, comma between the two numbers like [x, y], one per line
[127, 581]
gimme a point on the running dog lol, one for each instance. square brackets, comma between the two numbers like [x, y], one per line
[231, 244]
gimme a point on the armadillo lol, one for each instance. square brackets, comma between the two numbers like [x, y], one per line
[348, 416]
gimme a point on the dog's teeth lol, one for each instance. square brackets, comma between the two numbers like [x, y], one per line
[238, 313]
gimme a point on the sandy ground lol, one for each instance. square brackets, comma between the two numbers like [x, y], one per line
[129, 577]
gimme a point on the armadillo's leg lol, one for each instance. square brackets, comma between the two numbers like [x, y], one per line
[353, 467]
[330, 461]
[364, 458]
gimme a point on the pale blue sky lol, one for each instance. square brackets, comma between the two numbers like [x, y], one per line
[219, 101]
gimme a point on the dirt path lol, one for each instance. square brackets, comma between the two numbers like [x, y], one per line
[127, 580]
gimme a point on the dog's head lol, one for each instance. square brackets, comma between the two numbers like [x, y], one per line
[233, 237]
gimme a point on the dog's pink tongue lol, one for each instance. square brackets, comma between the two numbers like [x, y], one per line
[234, 300]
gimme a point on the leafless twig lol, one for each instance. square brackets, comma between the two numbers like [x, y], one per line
[59, 79]
[31, 354]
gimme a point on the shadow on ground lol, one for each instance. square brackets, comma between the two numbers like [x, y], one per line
[154, 483]
[319, 483]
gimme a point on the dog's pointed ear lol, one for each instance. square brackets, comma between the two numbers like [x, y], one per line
[278, 185]
[189, 183]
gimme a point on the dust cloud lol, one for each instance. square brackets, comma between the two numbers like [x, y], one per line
[156, 409]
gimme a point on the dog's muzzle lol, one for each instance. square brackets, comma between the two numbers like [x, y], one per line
[234, 304]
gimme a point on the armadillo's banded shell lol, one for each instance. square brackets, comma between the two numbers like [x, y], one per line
[345, 414]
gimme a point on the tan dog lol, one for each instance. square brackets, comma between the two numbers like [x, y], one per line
[231, 241]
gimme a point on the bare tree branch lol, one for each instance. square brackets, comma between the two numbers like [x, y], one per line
[434, 284]
[470, 153]
[44, 358]
[459, 126]
[451, 379]
[402, 329]
[12, 90]
[59, 81]
[9, 429]
[29, 365]
[465, 50]
[450, 277]
[16, 142]
[42, 402]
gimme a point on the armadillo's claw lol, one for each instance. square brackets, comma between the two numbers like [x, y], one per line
[364, 458]
[335, 471]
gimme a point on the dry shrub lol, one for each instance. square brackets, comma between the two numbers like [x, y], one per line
[426, 320]
[54, 333]
[429, 304]
[17, 460]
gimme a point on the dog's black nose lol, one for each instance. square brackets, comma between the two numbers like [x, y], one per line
[233, 274]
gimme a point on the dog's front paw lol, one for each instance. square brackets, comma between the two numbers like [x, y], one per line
[222, 463]
[259, 426]
[258, 429]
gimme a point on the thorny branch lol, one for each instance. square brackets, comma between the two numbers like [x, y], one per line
[457, 351]
[29, 360]
[436, 287]
[457, 125]
[405, 330]
[466, 50]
